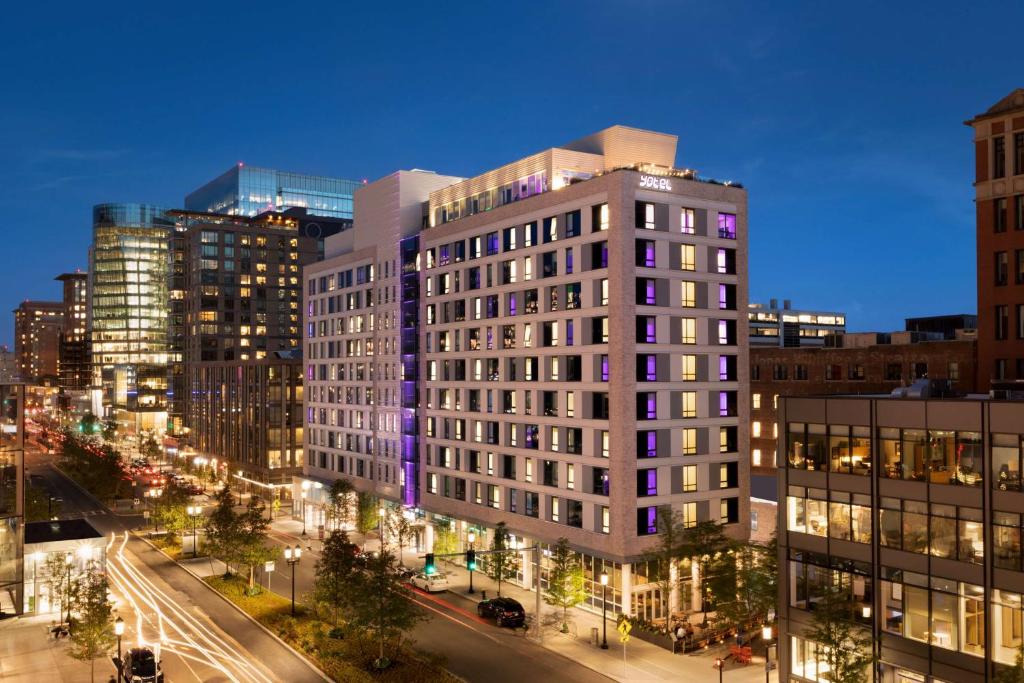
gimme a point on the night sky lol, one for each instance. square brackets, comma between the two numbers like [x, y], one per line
[843, 120]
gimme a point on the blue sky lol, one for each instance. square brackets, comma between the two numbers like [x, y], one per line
[843, 120]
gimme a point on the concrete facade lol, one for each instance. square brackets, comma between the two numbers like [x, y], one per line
[37, 328]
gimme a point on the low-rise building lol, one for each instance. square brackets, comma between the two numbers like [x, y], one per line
[771, 325]
[74, 540]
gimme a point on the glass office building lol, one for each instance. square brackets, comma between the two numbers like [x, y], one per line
[128, 274]
[12, 497]
[249, 191]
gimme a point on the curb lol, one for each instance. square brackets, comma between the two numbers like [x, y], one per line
[239, 609]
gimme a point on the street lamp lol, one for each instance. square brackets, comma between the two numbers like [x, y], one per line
[720, 665]
[381, 511]
[604, 610]
[194, 511]
[471, 537]
[302, 495]
[766, 634]
[292, 557]
[68, 560]
[119, 631]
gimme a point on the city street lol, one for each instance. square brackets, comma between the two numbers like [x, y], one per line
[166, 606]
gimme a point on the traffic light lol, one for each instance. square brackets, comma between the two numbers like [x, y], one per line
[429, 567]
[471, 560]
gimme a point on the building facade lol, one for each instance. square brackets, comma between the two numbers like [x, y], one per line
[866, 363]
[555, 344]
[37, 328]
[774, 326]
[948, 326]
[999, 206]
[73, 356]
[914, 507]
[12, 498]
[128, 313]
[248, 191]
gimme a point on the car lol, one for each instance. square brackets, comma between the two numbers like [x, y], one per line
[406, 573]
[431, 583]
[194, 490]
[504, 611]
[141, 666]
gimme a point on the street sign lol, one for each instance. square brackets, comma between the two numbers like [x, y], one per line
[137, 501]
[625, 627]
[623, 639]
[268, 566]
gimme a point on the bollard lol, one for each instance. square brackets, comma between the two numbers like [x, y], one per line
[483, 595]
[595, 639]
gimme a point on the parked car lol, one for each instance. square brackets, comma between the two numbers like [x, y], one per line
[406, 572]
[432, 583]
[141, 666]
[504, 611]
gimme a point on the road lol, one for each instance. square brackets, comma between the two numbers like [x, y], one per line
[475, 649]
[165, 606]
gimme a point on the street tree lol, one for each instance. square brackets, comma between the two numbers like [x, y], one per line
[149, 447]
[566, 582]
[379, 604]
[367, 512]
[60, 579]
[664, 558]
[847, 648]
[252, 549]
[223, 529]
[501, 566]
[172, 510]
[1015, 673]
[446, 542]
[400, 529]
[109, 429]
[336, 571]
[706, 544]
[93, 633]
[339, 502]
[744, 583]
[39, 505]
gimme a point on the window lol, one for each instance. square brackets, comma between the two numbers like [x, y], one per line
[688, 329]
[646, 291]
[688, 296]
[689, 404]
[599, 216]
[687, 257]
[1002, 268]
[689, 441]
[856, 372]
[1018, 153]
[687, 221]
[755, 401]
[999, 157]
[1002, 321]
[1018, 212]
[688, 365]
[646, 483]
[689, 478]
[999, 214]
[645, 257]
[1020, 335]
[727, 225]
[645, 215]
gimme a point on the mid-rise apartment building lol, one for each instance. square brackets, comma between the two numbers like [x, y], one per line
[771, 325]
[914, 507]
[37, 327]
[999, 205]
[73, 353]
[556, 344]
[128, 313]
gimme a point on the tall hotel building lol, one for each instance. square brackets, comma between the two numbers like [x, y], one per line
[557, 344]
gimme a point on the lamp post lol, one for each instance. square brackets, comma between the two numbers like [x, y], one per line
[302, 495]
[720, 665]
[766, 634]
[604, 611]
[194, 511]
[37, 556]
[381, 511]
[119, 631]
[292, 557]
[241, 483]
[68, 560]
[471, 537]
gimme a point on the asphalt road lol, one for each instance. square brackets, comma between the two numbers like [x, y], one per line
[475, 649]
[163, 603]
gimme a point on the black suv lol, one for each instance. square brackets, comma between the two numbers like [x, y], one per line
[504, 611]
[141, 666]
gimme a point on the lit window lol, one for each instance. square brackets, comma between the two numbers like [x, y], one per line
[689, 478]
[689, 404]
[687, 221]
[756, 398]
[756, 429]
[688, 257]
[756, 457]
[689, 368]
[688, 298]
[689, 331]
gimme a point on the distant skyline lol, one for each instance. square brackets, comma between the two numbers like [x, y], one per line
[844, 123]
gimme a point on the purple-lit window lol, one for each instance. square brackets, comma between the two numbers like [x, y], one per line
[532, 436]
[727, 225]
[604, 255]
[652, 368]
[651, 331]
[723, 368]
[647, 521]
[723, 404]
[310, 330]
[512, 304]
[492, 306]
[650, 295]
[568, 332]
[648, 406]
[723, 297]
[649, 254]
[723, 332]
[604, 368]
[651, 484]
[492, 243]
[309, 372]
[650, 444]
[445, 255]
[310, 309]
[309, 415]
[568, 261]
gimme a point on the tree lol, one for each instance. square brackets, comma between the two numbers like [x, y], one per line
[339, 502]
[367, 512]
[109, 429]
[93, 634]
[846, 649]
[400, 528]
[223, 529]
[705, 543]
[89, 424]
[336, 571]
[252, 548]
[39, 506]
[566, 587]
[501, 566]
[96, 467]
[445, 541]
[172, 510]
[1015, 673]
[663, 559]
[379, 603]
[149, 447]
[60, 580]
[744, 582]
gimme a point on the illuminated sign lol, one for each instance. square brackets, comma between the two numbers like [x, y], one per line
[655, 183]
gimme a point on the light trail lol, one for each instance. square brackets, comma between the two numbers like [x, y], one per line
[175, 629]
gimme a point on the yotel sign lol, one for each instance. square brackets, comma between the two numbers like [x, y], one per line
[652, 182]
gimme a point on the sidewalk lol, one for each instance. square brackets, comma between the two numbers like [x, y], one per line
[643, 661]
[27, 655]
